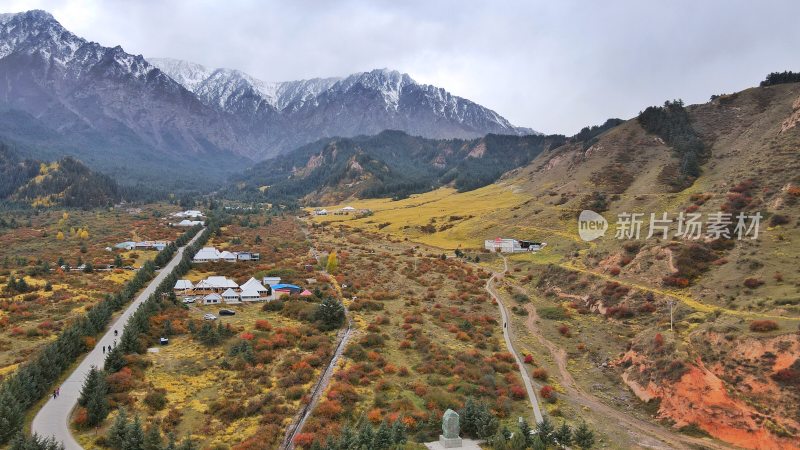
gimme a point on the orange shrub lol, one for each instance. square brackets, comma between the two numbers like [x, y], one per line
[539, 373]
[304, 439]
[763, 325]
[263, 325]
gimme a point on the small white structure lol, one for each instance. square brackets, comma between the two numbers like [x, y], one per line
[247, 256]
[250, 295]
[191, 213]
[227, 256]
[183, 285]
[188, 223]
[206, 254]
[271, 281]
[217, 284]
[231, 296]
[348, 209]
[506, 245]
[212, 299]
[321, 212]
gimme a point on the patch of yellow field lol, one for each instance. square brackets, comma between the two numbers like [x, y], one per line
[404, 217]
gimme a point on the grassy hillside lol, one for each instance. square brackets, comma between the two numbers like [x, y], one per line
[390, 164]
[730, 365]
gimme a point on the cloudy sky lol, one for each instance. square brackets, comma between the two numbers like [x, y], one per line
[552, 66]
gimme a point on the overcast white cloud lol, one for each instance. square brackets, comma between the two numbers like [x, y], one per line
[553, 66]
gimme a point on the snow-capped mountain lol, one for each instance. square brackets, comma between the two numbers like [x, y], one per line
[362, 103]
[128, 115]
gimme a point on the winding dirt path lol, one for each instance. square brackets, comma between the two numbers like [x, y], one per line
[646, 434]
[507, 335]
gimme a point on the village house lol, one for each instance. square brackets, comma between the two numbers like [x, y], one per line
[211, 254]
[191, 213]
[188, 223]
[225, 289]
[212, 299]
[505, 245]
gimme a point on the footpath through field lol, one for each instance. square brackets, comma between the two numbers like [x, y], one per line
[537, 412]
[53, 418]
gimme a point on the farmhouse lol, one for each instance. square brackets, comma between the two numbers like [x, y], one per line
[252, 285]
[231, 296]
[212, 299]
[191, 213]
[211, 254]
[183, 286]
[506, 245]
[321, 212]
[215, 284]
[188, 223]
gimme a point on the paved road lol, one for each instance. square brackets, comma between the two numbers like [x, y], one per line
[53, 418]
[537, 412]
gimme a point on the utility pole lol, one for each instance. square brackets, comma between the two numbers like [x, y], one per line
[671, 303]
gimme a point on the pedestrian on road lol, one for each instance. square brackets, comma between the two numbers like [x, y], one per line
[115, 332]
[115, 343]
[104, 349]
[55, 394]
[58, 391]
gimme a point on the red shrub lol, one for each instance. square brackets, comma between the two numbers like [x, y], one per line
[528, 359]
[539, 373]
[547, 392]
[518, 392]
[564, 330]
[658, 340]
[763, 325]
[304, 439]
[752, 283]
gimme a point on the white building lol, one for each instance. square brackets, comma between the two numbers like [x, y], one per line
[192, 213]
[216, 283]
[227, 256]
[231, 296]
[506, 245]
[212, 299]
[183, 285]
[249, 295]
[271, 281]
[206, 254]
[253, 286]
[188, 223]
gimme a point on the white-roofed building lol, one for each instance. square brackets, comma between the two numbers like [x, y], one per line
[231, 296]
[271, 281]
[212, 299]
[227, 256]
[250, 295]
[206, 254]
[216, 284]
[253, 285]
[183, 285]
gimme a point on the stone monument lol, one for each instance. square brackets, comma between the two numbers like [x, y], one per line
[450, 430]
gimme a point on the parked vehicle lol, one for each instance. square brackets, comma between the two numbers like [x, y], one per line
[209, 316]
[227, 312]
[163, 341]
[188, 300]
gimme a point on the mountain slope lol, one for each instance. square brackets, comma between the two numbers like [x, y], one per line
[391, 163]
[298, 112]
[729, 366]
[106, 106]
[66, 182]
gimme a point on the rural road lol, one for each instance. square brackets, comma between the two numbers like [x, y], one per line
[322, 383]
[537, 412]
[53, 418]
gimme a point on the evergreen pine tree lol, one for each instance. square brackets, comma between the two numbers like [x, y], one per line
[118, 433]
[469, 418]
[134, 439]
[187, 444]
[114, 360]
[383, 437]
[563, 435]
[537, 444]
[398, 432]
[11, 416]
[89, 385]
[152, 439]
[525, 431]
[546, 430]
[584, 437]
[365, 436]
[347, 439]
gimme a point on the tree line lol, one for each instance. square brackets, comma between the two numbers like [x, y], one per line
[787, 76]
[673, 124]
[34, 379]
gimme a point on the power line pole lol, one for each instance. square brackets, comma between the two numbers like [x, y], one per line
[671, 304]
